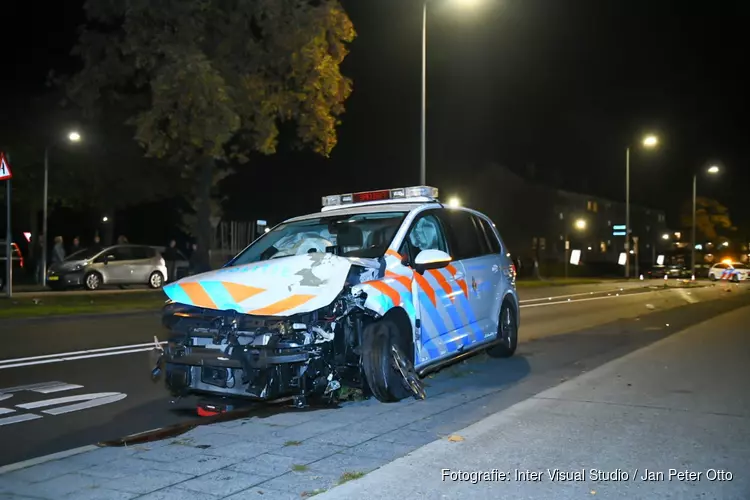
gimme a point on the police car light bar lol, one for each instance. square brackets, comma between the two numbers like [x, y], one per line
[381, 195]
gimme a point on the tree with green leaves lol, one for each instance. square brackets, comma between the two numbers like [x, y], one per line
[712, 220]
[209, 81]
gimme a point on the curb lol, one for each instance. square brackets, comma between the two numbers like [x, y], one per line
[46, 458]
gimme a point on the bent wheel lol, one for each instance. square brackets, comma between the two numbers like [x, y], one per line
[507, 333]
[382, 372]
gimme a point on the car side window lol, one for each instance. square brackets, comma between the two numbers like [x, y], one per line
[490, 235]
[467, 241]
[122, 253]
[141, 253]
[426, 233]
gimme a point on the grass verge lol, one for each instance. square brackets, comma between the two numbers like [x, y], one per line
[62, 304]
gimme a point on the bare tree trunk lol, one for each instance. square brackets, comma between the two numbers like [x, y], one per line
[205, 181]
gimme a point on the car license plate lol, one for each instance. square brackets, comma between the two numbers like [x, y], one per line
[53, 278]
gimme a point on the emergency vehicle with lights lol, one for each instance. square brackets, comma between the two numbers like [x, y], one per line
[376, 290]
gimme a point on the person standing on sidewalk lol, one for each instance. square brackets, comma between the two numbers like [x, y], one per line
[170, 258]
[58, 251]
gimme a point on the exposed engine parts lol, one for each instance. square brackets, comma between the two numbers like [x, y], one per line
[231, 354]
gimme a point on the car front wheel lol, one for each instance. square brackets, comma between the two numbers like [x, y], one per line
[92, 281]
[507, 333]
[385, 363]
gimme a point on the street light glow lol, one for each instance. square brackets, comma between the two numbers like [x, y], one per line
[581, 224]
[713, 169]
[650, 141]
[454, 202]
[467, 3]
[266, 230]
[74, 136]
[665, 236]
[105, 218]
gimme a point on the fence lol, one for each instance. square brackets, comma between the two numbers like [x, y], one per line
[230, 238]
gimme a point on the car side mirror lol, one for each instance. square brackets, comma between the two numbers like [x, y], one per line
[431, 259]
[107, 259]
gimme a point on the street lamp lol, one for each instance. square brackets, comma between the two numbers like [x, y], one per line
[73, 137]
[713, 170]
[665, 236]
[423, 134]
[579, 224]
[105, 218]
[649, 141]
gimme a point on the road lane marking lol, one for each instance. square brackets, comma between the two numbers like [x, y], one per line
[80, 401]
[581, 300]
[19, 418]
[57, 388]
[76, 353]
[75, 358]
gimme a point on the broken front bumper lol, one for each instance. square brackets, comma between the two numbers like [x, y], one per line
[227, 354]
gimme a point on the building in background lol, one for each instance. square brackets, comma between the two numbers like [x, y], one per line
[535, 219]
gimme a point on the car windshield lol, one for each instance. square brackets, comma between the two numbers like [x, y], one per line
[358, 235]
[737, 265]
[83, 254]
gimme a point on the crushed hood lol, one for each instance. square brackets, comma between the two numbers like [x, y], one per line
[277, 287]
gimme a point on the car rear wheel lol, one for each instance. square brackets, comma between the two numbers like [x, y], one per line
[712, 277]
[92, 281]
[384, 362]
[507, 333]
[156, 280]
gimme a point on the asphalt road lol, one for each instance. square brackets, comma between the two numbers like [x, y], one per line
[117, 372]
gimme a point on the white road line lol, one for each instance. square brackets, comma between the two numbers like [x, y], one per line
[57, 388]
[3, 411]
[75, 353]
[581, 300]
[75, 358]
[574, 295]
[18, 418]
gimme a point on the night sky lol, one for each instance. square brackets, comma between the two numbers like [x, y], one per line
[561, 85]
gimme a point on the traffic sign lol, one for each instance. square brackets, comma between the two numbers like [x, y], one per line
[5, 173]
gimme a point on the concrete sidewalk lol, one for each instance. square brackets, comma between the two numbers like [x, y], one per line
[681, 404]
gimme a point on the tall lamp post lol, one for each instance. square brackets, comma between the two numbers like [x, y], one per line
[73, 137]
[713, 169]
[423, 133]
[650, 141]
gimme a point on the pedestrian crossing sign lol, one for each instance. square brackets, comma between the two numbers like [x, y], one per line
[5, 173]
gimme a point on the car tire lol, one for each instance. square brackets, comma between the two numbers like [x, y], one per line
[383, 378]
[156, 280]
[507, 333]
[92, 281]
[712, 277]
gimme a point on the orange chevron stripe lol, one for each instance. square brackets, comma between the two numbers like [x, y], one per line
[241, 292]
[426, 287]
[282, 305]
[443, 283]
[462, 283]
[464, 287]
[386, 290]
[401, 279]
[394, 253]
[198, 295]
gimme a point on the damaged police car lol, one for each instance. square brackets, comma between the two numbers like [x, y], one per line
[375, 291]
